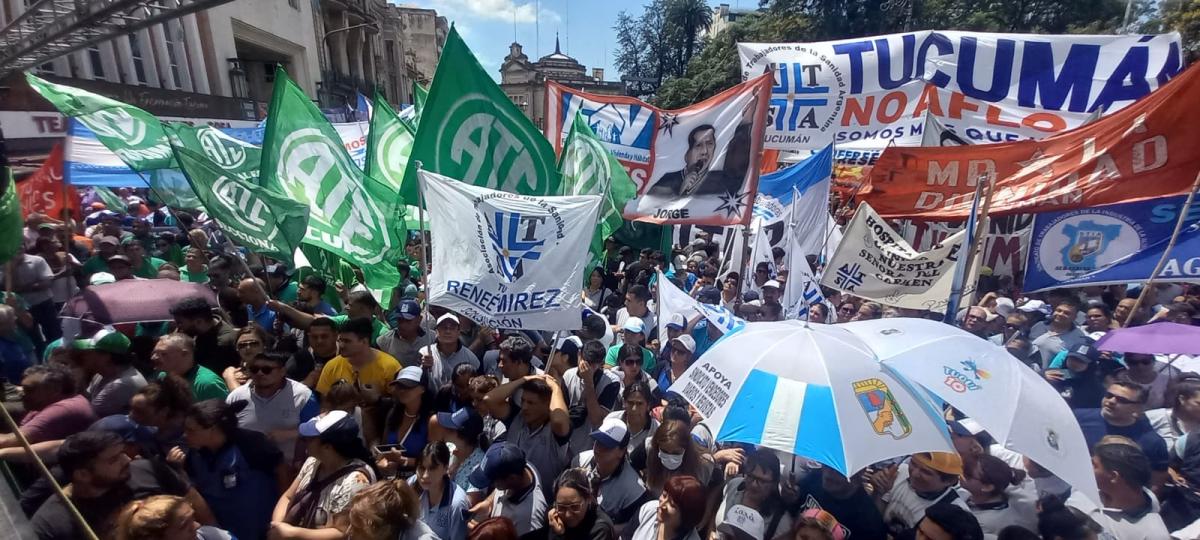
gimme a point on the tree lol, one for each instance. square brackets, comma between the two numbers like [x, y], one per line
[1183, 16]
[691, 17]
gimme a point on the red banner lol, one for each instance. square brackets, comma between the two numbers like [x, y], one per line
[1143, 151]
[43, 190]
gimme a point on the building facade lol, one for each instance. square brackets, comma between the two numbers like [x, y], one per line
[524, 82]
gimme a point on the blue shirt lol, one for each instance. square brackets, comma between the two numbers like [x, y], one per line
[238, 482]
[14, 358]
[700, 334]
[1095, 428]
[324, 308]
[265, 317]
[446, 517]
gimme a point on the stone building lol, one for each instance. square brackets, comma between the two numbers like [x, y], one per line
[524, 82]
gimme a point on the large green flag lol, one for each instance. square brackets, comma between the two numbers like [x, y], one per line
[352, 216]
[11, 224]
[134, 135]
[471, 131]
[256, 217]
[389, 143]
[170, 187]
[110, 199]
[588, 168]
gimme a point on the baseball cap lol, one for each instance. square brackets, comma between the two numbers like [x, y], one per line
[686, 342]
[456, 420]
[708, 295]
[1085, 352]
[409, 377]
[1004, 307]
[750, 296]
[447, 317]
[771, 283]
[634, 324]
[965, 427]
[408, 310]
[943, 462]
[125, 427]
[277, 270]
[677, 320]
[107, 240]
[1034, 305]
[119, 258]
[102, 278]
[612, 433]
[569, 345]
[332, 422]
[827, 520]
[47, 225]
[743, 522]
[106, 340]
[501, 460]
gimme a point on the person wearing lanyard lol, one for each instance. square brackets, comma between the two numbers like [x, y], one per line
[406, 428]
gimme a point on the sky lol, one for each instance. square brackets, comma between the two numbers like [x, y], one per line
[585, 27]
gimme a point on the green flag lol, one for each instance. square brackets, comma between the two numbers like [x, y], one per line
[170, 187]
[351, 214]
[420, 95]
[389, 143]
[134, 135]
[110, 199]
[470, 130]
[11, 224]
[258, 218]
[588, 168]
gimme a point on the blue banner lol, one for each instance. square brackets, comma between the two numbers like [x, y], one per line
[1112, 244]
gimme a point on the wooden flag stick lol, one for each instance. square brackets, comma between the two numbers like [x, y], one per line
[1162, 261]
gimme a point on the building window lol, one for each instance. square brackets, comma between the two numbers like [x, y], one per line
[97, 61]
[139, 64]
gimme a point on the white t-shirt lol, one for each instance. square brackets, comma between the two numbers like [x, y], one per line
[905, 508]
[1118, 525]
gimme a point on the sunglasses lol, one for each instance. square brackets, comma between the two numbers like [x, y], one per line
[631, 361]
[261, 369]
[1145, 362]
[248, 344]
[1119, 399]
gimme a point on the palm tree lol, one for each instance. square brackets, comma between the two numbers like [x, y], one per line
[692, 17]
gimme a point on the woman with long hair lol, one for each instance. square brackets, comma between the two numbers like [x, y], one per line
[444, 505]
[758, 489]
[251, 341]
[676, 514]
[338, 466]
[387, 510]
[674, 453]
[576, 515]
[1182, 413]
[596, 293]
[406, 425]
[163, 517]
[237, 471]
[162, 405]
[988, 482]
[637, 400]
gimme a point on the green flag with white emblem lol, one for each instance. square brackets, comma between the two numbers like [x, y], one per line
[588, 168]
[471, 131]
[134, 135]
[11, 223]
[352, 216]
[256, 217]
[389, 143]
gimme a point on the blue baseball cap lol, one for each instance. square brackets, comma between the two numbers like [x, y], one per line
[454, 420]
[125, 427]
[501, 460]
[408, 310]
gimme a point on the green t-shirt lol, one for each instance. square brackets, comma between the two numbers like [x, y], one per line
[94, 265]
[610, 358]
[205, 383]
[199, 277]
[149, 267]
[378, 328]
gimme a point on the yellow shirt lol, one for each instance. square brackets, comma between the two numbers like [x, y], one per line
[377, 373]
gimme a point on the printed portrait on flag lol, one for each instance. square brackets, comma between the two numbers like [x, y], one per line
[695, 165]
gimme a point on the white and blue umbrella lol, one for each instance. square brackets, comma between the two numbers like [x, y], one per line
[1012, 402]
[814, 391]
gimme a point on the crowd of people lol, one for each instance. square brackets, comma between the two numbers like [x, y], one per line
[294, 407]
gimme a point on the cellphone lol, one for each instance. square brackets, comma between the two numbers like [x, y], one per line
[381, 448]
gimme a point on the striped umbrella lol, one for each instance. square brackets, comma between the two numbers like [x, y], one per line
[814, 391]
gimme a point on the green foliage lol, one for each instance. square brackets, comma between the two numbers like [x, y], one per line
[1183, 16]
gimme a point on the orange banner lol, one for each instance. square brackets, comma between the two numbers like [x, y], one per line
[43, 190]
[1146, 150]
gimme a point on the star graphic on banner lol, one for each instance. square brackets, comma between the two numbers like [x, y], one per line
[732, 203]
[669, 121]
[1037, 162]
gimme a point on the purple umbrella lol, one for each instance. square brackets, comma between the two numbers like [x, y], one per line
[133, 300]
[1157, 338]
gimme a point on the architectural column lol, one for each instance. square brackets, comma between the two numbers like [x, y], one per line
[108, 56]
[149, 61]
[159, 42]
[354, 49]
[125, 57]
[195, 55]
[368, 58]
[337, 50]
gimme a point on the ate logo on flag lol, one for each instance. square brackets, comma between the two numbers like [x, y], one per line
[394, 149]
[488, 144]
[223, 151]
[849, 276]
[116, 123]
[515, 240]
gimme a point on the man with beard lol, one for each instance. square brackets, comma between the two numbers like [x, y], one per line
[697, 176]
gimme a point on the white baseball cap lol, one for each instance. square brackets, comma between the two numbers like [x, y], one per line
[320, 424]
[1004, 307]
[447, 317]
[612, 433]
[743, 522]
[771, 283]
[408, 377]
[634, 324]
[678, 320]
[686, 342]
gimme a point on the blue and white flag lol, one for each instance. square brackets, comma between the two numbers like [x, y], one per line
[507, 260]
[797, 195]
[671, 300]
[363, 109]
[1112, 244]
[803, 288]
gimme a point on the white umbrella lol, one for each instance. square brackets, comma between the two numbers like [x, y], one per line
[817, 392]
[981, 379]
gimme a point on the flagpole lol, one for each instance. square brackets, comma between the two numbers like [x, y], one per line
[1162, 261]
[981, 229]
[421, 227]
[974, 232]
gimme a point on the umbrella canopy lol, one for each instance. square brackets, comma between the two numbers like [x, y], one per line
[816, 392]
[1157, 338]
[981, 379]
[133, 300]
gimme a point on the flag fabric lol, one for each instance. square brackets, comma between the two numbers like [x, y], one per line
[797, 195]
[937, 134]
[110, 199]
[362, 108]
[131, 133]
[12, 226]
[803, 288]
[351, 215]
[760, 253]
[507, 260]
[389, 143]
[587, 168]
[874, 262]
[671, 300]
[43, 191]
[258, 218]
[471, 131]
[171, 188]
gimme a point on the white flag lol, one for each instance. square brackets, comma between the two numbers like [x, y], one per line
[760, 253]
[507, 260]
[671, 300]
[874, 262]
[803, 288]
[937, 134]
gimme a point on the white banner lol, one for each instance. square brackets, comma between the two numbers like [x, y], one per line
[863, 93]
[874, 262]
[671, 300]
[507, 260]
